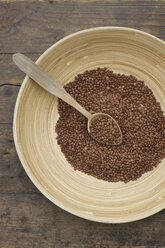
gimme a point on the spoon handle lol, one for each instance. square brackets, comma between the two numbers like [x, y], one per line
[45, 81]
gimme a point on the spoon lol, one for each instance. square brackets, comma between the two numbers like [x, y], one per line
[49, 84]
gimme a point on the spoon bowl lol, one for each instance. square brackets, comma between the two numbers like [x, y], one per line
[93, 117]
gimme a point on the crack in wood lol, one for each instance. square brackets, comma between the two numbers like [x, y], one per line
[7, 84]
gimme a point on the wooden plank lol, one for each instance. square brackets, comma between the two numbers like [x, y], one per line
[34, 26]
[33, 221]
[13, 178]
[8, 96]
[10, 74]
[10, 165]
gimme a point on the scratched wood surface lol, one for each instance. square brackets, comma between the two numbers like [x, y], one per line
[27, 218]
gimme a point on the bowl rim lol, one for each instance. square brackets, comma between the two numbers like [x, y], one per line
[22, 159]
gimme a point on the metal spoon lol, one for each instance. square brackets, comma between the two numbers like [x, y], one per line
[48, 83]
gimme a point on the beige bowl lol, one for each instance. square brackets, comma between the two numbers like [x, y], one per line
[123, 50]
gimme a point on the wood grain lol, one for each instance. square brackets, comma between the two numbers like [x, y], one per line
[28, 219]
[9, 71]
[34, 26]
[8, 96]
[8, 93]
[32, 221]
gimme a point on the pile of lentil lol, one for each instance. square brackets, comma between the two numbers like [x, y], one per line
[132, 104]
[105, 130]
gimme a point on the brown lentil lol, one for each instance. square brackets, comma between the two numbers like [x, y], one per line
[132, 104]
[105, 130]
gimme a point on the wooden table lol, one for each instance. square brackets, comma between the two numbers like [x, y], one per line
[27, 218]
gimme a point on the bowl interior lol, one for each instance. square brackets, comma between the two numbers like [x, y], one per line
[123, 50]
